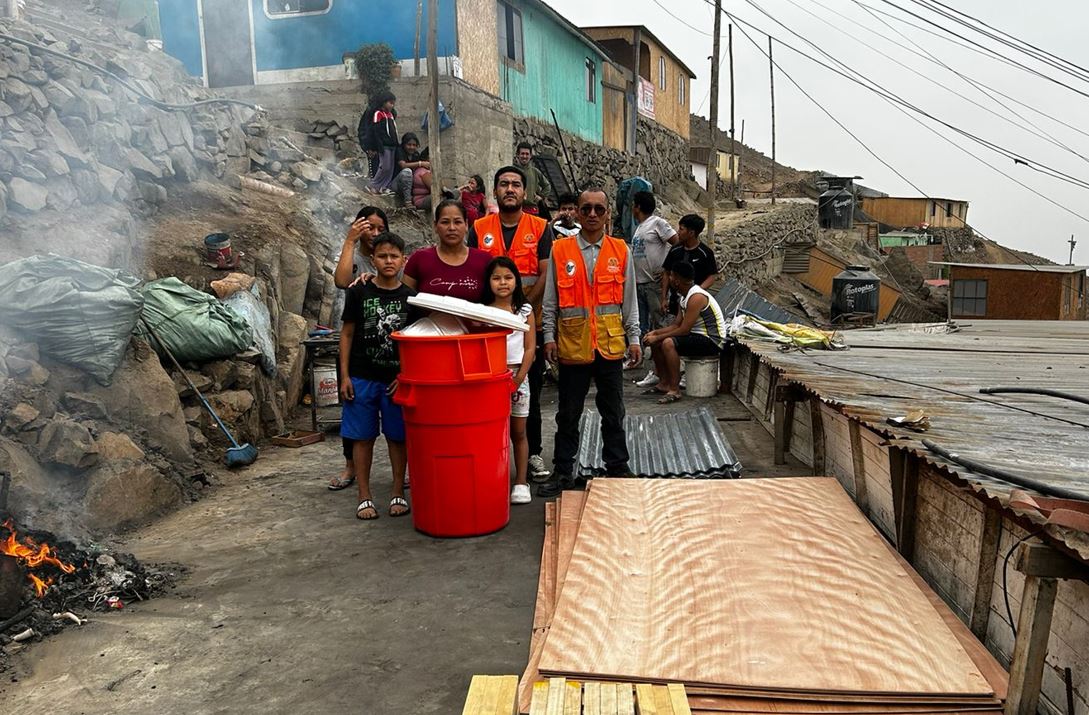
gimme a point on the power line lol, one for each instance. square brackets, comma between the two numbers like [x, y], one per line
[865, 82]
[984, 88]
[1016, 44]
[988, 50]
[1037, 133]
[854, 136]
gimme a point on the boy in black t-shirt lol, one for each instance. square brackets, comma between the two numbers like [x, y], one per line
[689, 249]
[373, 311]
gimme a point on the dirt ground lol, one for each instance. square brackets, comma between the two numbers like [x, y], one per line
[291, 605]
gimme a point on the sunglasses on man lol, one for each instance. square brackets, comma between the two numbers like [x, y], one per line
[596, 209]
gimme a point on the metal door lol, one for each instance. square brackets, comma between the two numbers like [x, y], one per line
[228, 46]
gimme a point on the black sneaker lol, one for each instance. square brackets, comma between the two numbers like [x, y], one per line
[549, 489]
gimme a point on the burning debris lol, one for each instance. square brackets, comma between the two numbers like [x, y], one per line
[46, 584]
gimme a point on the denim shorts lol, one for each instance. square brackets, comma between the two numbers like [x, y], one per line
[371, 412]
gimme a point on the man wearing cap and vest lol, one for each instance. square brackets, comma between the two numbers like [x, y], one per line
[591, 323]
[526, 240]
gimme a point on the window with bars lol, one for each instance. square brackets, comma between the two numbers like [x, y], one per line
[681, 89]
[661, 73]
[970, 298]
[509, 26]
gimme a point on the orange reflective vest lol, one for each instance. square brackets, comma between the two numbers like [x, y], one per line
[523, 249]
[590, 314]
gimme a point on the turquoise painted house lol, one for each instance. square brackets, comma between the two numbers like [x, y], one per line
[522, 51]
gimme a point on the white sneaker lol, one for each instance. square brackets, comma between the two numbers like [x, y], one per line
[649, 381]
[520, 494]
[537, 469]
[683, 383]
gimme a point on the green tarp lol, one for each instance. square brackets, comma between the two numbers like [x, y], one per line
[77, 313]
[194, 326]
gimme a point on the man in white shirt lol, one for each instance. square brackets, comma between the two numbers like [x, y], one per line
[649, 246]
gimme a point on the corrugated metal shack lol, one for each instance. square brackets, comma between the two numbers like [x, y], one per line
[956, 526]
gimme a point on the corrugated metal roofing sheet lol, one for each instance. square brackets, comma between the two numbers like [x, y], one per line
[674, 445]
[734, 295]
[888, 372]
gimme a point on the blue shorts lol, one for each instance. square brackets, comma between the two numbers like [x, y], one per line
[360, 417]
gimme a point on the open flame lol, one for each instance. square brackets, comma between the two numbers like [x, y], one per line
[32, 555]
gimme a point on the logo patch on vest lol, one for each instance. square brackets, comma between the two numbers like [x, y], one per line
[569, 268]
[613, 265]
[488, 240]
[529, 239]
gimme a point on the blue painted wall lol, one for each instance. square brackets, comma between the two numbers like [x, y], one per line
[181, 33]
[321, 40]
[312, 40]
[554, 76]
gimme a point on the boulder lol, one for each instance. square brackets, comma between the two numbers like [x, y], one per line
[87, 186]
[144, 396]
[62, 195]
[294, 276]
[50, 163]
[63, 139]
[16, 93]
[141, 165]
[27, 196]
[231, 405]
[306, 171]
[185, 166]
[113, 446]
[123, 494]
[20, 416]
[197, 438]
[201, 381]
[67, 443]
[224, 374]
[291, 355]
[236, 142]
[31, 173]
[151, 192]
[84, 404]
[108, 178]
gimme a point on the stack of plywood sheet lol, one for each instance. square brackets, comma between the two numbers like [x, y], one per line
[759, 595]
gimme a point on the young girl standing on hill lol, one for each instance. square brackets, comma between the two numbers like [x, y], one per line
[503, 290]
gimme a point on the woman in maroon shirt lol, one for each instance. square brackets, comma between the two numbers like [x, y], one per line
[450, 268]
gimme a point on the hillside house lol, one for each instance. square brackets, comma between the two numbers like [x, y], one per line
[905, 211]
[663, 91]
[521, 51]
[700, 156]
[1001, 291]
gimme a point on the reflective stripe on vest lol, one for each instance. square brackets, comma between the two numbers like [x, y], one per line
[590, 314]
[523, 248]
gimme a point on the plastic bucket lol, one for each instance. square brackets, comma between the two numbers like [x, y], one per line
[458, 440]
[701, 377]
[452, 358]
[325, 387]
[217, 248]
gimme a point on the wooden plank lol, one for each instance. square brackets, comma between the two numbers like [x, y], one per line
[572, 701]
[610, 697]
[1043, 561]
[591, 698]
[662, 702]
[779, 421]
[858, 462]
[754, 370]
[816, 422]
[539, 705]
[625, 699]
[507, 703]
[557, 696]
[986, 563]
[645, 703]
[1030, 648]
[475, 697]
[678, 699]
[649, 572]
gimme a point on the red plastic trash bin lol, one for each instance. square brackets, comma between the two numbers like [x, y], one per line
[458, 441]
[474, 356]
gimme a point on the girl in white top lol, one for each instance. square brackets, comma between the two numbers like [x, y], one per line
[503, 290]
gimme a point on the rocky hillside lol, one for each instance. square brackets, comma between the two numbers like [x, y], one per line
[755, 165]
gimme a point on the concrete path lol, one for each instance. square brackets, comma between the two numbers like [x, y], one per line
[292, 605]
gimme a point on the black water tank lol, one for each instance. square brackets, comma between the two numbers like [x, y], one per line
[855, 296]
[836, 209]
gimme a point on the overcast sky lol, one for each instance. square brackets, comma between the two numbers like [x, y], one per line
[808, 139]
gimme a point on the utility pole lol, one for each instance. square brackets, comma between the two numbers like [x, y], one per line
[733, 144]
[1072, 243]
[771, 70]
[712, 157]
[434, 154]
[416, 47]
